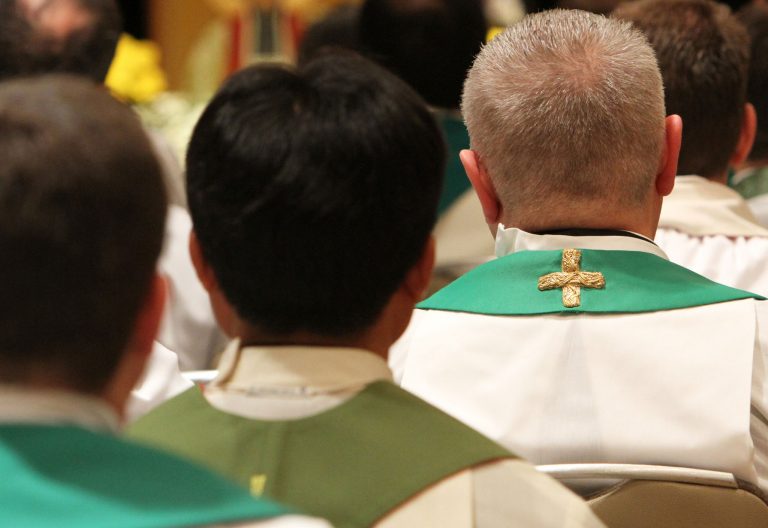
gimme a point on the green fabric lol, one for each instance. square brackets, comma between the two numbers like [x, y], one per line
[455, 182]
[634, 282]
[755, 184]
[352, 464]
[71, 477]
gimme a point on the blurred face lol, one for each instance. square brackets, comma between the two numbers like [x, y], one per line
[58, 18]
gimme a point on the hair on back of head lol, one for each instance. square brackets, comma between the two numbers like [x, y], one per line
[30, 46]
[313, 192]
[566, 105]
[82, 208]
[703, 54]
[428, 43]
[755, 19]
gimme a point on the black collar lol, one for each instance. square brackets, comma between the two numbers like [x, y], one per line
[579, 231]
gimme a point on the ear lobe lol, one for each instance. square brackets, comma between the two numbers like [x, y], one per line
[481, 182]
[667, 171]
[746, 136]
[203, 270]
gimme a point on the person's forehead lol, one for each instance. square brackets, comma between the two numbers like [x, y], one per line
[58, 18]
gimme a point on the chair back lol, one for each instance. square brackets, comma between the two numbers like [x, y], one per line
[667, 497]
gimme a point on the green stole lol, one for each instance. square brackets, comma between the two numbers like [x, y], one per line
[69, 476]
[635, 282]
[455, 181]
[756, 184]
[351, 465]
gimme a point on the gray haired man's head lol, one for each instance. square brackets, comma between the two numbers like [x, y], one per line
[567, 108]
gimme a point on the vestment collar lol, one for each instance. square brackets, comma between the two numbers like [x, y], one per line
[22, 405]
[513, 240]
[303, 370]
[701, 207]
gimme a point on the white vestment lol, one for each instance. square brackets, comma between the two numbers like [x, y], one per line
[462, 238]
[669, 387]
[189, 327]
[27, 406]
[286, 383]
[709, 228]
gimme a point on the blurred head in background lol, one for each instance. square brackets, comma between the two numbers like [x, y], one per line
[703, 55]
[429, 43]
[58, 36]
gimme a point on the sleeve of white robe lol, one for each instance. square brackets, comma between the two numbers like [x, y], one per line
[759, 414]
[496, 495]
[286, 521]
[161, 381]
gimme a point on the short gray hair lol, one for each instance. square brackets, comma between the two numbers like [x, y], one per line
[567, 105]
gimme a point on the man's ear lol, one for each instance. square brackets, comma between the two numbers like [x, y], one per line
[203, 270]
[673, 137]
[417, 279]
[746, 136]
[481, 182]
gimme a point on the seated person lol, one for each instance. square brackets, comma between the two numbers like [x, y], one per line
[751, 180]
[80, 37]
[81, 226]
[581, 342]
[431, 44]
[703, 54]
[313, 194]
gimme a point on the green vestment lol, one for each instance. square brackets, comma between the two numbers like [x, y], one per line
[455, 182]
[635, 282]
[72, 477]
[351, 465]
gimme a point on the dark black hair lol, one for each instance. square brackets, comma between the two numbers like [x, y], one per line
[82, 208]
[755, 18]
[29, 48]
[338, 30]
[703, 55]
[313, 192]
[429, 43]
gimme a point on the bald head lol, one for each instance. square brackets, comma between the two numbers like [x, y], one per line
[45, 36]
[565, 111]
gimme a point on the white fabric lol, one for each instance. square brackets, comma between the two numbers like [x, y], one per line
[189, 327]
[23, 405]
[670, 387]
[726, 244]
[701, 207]
[19, 404]
[173, 175]
[759, 207]
[461, 235]
[160, 381]
[293, 382]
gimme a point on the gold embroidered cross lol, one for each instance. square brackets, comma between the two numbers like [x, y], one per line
[572, 279]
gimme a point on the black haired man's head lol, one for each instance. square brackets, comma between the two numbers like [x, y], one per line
[703, 55]
[82, 209]
[313, 192]
[755, 18]
[58, 36]
[429, 43]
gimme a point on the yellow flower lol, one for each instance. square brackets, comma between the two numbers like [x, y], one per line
[136, 75]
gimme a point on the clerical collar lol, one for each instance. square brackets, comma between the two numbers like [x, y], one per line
[511, 240]
[580, 231]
